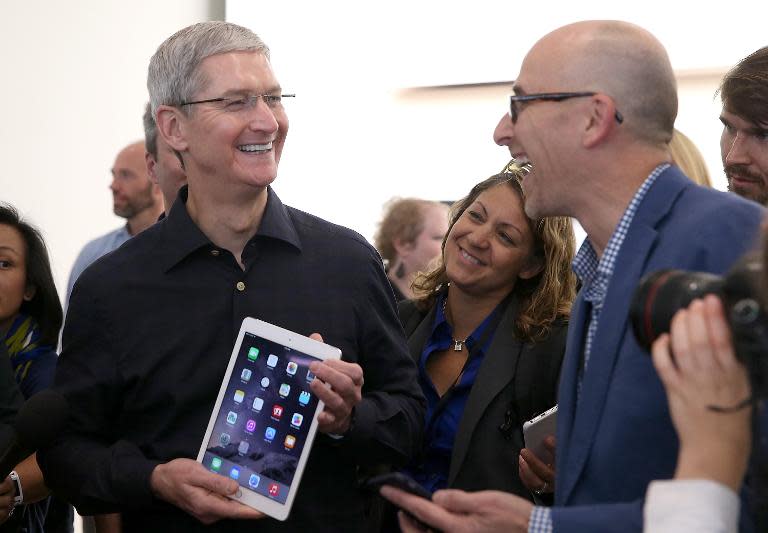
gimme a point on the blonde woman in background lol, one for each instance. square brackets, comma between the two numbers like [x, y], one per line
[686, 156]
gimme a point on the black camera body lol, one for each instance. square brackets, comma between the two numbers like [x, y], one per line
[661, 294]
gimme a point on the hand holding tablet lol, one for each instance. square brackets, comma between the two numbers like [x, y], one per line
[345, 392]
[188, 485]
[266, 414]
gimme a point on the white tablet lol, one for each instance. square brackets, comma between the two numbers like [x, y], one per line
[535, 430]
[265, 417]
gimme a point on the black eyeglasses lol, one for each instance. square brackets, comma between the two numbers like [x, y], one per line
[244, 103]
[514, 112]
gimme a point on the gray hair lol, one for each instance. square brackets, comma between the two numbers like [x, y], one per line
[633, 67]
[150, 131]
[174, 76]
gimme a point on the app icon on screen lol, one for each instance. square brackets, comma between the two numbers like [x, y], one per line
[258, 403]
[297, 419]
[242, 449]
[291, 368]
[216, 464]
[290, 441]
[246, 375]
[253, 481]
[234, 473]
[253, 353]
[272, 360]
[310, 375]
[274, 489]
[239, 395]
[231, 417]
[285, 389]
[250, 426]
[277, 411]
[304, 397]
[224, 439]
[265, 382]
[269, 434]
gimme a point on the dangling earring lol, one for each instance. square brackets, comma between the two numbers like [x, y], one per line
[400, 271]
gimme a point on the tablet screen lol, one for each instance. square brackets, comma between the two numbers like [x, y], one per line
[264, 418]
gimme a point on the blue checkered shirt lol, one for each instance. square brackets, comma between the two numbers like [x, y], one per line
[595, 275]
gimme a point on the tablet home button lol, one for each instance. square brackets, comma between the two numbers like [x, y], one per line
[239, 493]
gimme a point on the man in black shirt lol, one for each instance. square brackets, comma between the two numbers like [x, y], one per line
[150, 327]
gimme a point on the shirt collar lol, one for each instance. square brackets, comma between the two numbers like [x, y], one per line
[183, 237]
[586, 265]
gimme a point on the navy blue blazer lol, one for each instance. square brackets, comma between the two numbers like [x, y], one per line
[621, 436]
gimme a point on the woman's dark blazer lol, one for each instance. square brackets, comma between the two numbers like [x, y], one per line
[516, 381]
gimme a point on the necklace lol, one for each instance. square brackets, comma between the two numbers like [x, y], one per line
[458, 344]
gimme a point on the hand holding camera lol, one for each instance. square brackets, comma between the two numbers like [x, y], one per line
[662, 294]
[704, 372]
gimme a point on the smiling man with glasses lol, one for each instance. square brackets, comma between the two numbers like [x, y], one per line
[151, 327]
[611, 171]
[517, 101]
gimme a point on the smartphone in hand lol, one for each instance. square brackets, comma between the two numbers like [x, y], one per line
[399, 481]
[537, 429]
[402, 482]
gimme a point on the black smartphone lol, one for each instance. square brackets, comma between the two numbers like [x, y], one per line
[399, 481]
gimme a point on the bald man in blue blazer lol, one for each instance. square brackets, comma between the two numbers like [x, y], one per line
[593, 111]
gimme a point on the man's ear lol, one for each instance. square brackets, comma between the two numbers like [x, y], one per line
[149, 159]
[601, 120]
[170, 125]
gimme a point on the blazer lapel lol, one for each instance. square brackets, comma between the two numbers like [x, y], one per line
[495, 372]
[566, 396]
[418, 338]
[605, 351]
[612, 327]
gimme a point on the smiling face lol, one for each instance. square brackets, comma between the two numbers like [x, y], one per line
[227, 143]
[13, 275]
[744, 150]
[542, 134]
[491, 245]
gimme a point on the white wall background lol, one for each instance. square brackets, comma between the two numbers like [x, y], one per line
[73, 91]
[72, 94]
[402, 98]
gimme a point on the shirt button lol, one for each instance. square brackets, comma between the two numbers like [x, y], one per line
[215, 253]
[240, 286]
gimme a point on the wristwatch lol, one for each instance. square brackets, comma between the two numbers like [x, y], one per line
[18, 499]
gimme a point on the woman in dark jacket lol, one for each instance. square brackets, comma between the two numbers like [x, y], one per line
[488, 335]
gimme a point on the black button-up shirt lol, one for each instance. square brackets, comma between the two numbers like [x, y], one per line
[148, 335]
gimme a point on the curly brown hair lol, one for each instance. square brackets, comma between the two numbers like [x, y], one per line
[543, 298]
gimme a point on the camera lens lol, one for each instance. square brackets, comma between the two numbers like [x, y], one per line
[661, 294]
